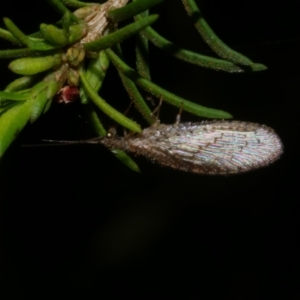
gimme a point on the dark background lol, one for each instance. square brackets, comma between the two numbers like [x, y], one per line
[77, 224]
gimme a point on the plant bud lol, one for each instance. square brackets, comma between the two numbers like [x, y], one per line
[54, 35]
[75, 56]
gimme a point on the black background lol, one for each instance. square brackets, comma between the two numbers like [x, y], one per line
[77, 224]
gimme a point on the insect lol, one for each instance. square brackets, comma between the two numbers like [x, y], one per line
[211, 147]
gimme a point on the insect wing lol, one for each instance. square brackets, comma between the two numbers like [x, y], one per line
[219, 147]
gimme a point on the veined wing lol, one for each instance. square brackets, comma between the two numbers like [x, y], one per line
[219, 147]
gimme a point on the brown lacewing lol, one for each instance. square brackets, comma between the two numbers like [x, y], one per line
[217, 147]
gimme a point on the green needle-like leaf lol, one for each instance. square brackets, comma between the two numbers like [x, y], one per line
[137, 99]
[42, 94]
[6, 35]
[163, 94]
[142, 53]
[195, 58]
[14, 96]
[16, 32]
[126, 160]
[131, 9]
[135, 95]
[120, 35]
[106, 108]
[18, 53]
[94, 120]
[21, 84]
[95, 74]
[32, 43]
[12, 122]
[216, 44]
[34, 65]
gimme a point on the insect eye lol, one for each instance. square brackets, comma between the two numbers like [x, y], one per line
[111, 133]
